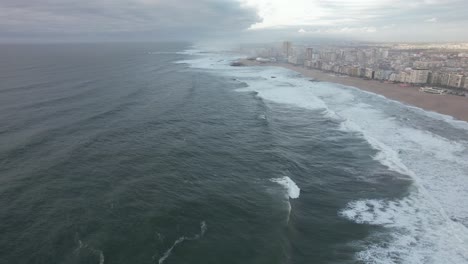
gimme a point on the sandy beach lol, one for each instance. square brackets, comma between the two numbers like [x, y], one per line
[455, 106]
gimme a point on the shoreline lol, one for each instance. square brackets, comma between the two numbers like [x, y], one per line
[451, 105]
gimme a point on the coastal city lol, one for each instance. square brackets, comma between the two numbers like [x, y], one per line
[233, 131]
[436, 68]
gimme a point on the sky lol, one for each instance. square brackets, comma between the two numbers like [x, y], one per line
[247, 20]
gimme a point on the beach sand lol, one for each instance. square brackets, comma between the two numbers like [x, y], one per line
[452, 105]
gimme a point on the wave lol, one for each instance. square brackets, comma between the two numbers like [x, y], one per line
[290, 186]
[292, 191]
[32, 86]
[162, 52]
[168, 252]
[431, 218]
[460, 124]
[184, 52]
[80, 91]
[418, 234]
[193, 51]
[437, 163]
[385, 155]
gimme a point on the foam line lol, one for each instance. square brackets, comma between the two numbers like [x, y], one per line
[101, 257]
[97, 252]
[168, 252]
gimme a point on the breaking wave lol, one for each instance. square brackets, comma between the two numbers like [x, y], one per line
[290, 186]
[418, 234]
[427, 226]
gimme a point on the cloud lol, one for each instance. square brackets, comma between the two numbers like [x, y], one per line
[217, 19]
[370, 29]
[390, 19]
[153, 19]
[339, 30]
[314, 12]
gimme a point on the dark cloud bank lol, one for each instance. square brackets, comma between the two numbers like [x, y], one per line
[122, 20]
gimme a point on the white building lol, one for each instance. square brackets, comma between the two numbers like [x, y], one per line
[309, 54]
[418, 76]
[287, 48]
[293, 60]
[369, 73]
[455, 80]
[403, 77]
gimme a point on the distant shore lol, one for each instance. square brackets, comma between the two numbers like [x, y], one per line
[455, 106]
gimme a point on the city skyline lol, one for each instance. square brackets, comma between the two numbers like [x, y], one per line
[437, 65]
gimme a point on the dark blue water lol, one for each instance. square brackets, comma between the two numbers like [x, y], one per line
[112, 153]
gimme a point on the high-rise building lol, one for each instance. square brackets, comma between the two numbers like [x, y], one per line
[434, 78]
[361, 57]
[309, 54]
[455, 80]
[369, 73]
[287, 48]
[403, 77]
[354, 71]
[419, 76]
[384, 53]
[444, 79]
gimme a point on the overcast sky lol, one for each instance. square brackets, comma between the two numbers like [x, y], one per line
[266, 20]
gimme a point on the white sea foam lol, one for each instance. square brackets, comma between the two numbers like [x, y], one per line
[181, 239]
[101, 257]
[429, 226]
[162, 52]
[193, 51]
[419, 235]
[168, 252]
[385, 155]
[289, 185]
[332, 115]
[97, 252]
[292, 191]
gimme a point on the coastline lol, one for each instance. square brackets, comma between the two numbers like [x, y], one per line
[451, 105]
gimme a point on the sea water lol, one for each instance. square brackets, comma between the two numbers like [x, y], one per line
[163, 153]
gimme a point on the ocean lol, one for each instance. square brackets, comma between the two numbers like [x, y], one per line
[164, 153]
